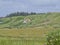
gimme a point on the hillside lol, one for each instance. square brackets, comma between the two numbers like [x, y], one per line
[52, 20]
[28, 30]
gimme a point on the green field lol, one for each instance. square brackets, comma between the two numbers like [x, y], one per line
[14, 32]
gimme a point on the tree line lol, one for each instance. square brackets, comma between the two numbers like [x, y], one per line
[22, 14]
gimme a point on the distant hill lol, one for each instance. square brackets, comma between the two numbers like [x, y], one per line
[38, 20]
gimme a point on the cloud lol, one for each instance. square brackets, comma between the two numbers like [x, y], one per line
[9, 6]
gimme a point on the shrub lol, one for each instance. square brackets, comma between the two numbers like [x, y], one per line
[53, 38]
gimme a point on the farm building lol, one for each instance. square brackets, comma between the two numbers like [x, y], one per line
[26, 20]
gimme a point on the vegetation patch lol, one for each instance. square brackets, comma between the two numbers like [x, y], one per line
[54, 38]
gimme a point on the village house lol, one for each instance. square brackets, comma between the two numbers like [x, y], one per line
[26, 20]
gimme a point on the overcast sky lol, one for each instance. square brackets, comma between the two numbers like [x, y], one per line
[9, 6]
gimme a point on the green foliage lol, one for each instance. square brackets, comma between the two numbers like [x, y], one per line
[54, 38]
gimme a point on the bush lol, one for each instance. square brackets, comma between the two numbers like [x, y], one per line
[53, 38]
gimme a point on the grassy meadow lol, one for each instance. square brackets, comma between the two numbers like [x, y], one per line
[14, 32]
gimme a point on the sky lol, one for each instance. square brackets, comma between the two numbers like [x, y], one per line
[39, 6]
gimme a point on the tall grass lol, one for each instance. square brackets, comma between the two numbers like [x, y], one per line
[12, 41]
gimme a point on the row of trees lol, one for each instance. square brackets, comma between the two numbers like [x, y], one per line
[23, 14]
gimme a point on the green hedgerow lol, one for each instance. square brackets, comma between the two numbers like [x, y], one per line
[53, 38]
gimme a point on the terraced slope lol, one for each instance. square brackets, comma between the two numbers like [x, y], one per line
[14, 31]
[52, 20]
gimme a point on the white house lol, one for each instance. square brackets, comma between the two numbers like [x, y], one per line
[26, 20]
